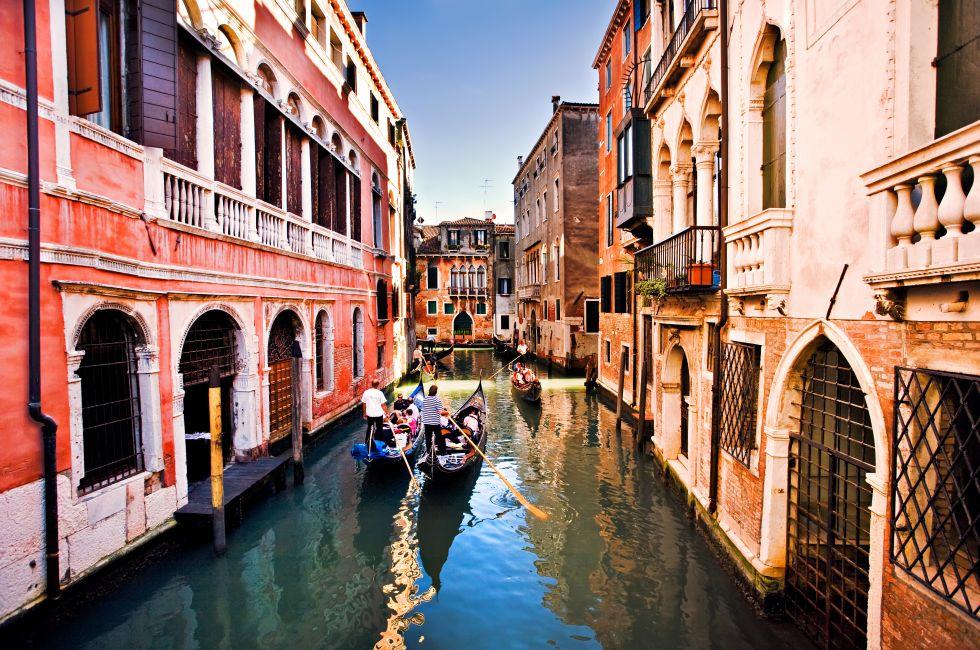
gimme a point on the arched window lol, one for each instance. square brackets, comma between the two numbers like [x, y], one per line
[267, 80]
[376, 211]
[357, 343]
[774, 131]
[323, 351]
[111, 420]
[471, 280]
[453, 278]
[481, 277]
[382, 290]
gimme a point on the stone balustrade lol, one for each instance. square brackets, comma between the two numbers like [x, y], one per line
[926, 212]
[758, 253]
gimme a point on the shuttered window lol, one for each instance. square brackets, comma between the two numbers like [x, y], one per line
[151, 72]
[268, 152]
[82, 34]
[186, 151]
[957, 66]
[294, 172]
[321, 171]
[622, 301]
[774, 132]
[340, 174]
[226, 92]
[605, 293]
[355, 207]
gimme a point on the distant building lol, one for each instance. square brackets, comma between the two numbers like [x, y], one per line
[555, 196]
[454, 301]
[504, 307]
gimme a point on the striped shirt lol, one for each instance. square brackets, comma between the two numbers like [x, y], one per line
[431, 406]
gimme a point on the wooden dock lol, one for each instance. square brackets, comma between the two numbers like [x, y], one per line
[241, 481]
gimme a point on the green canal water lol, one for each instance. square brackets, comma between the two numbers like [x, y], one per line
[353, 558]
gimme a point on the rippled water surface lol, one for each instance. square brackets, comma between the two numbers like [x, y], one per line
[353, 558]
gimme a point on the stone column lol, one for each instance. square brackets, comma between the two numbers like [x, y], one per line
[205, 118]
[753, 157]
[772, 545]
[680, 176]
[148, 376]
[704, 154]
[663, 216]
[306, 179]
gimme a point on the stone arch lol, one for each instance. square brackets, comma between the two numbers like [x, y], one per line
[463, 324]
[663, 161]
[763, 53]
[358, 365]
[142, 328]
[709, 116]
[684, 142]
[267, 79]
[352, 159]
[318, 126]
[336, 143]
[212, 306]
[675, 433]
[295, 105]
[302, 324]
[193, 13]
[235, 43]
[323, 338]
[781, 410]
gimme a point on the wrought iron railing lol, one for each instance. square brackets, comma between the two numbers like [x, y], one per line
[936, 483]
[687, 261]
[467, 291]
[692, 8]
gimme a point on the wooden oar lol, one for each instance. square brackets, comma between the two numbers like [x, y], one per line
[506, 365]
[533, 509]
[408, 466]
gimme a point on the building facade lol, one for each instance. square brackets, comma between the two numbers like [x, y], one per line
[812, 374]
[454, 269]
[216, 191]
[504, 312]
[555, 192]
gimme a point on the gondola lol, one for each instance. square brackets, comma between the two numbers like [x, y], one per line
[387, 454]
[529, 392]
[501, 346]
[446, 466]
[442, 354]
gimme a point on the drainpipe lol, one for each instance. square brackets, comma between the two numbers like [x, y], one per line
[48, 426]
[722, 266]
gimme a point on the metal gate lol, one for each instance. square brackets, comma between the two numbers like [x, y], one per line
[829, 519]
[281, 378]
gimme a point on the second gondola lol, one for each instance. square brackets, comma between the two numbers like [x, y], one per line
[529, 391]
[443, 466]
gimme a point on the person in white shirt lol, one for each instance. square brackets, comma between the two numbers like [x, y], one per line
[522, 348]
[472, 423]
[375, 407]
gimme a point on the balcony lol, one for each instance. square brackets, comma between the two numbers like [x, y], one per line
[687, 260]
[467, 292]
[529, 292]
[700, 17]
[634, 197]
[758, 254]
[183, 196]
[926, 213]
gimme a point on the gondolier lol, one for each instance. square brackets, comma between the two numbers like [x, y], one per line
[418, 357]
[522, 348]
[375, 407]
[433, 411]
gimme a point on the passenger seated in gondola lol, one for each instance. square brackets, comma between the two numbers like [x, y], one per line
[471, 424]
[401, 402]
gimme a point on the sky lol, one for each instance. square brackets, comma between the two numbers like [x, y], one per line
[475, 78]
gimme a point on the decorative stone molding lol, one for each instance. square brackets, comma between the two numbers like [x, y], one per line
[758, 256]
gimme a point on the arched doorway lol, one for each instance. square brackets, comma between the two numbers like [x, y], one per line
[463, 325]
[211, 342]
[284, 332]
[829, 519]
[685, 405]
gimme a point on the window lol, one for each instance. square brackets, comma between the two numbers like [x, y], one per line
[448, 308]
[336, 50]
[626, 358]
[557, 194]
[226, 101]
[610, 220]
[481, 309]
[607, 351]
[357, 336]
[350, 75]
[608, 74]
[557, 260]
[432, 331]
[503, 250]
[544, 206]
[377, 226]
[627, 97]
[609, 131]
[622, 301]
[505, 321]
[432, 308]
[396, 307]
[111, 422]
[318, 25]
[294, 172]
[504, 286]
[739, 398]
[391, 132]
[557, 309]
[480, 238]
[624, 154]
[774, 132]
[627, 39]
[323, 352]
[268, 151]
[641, 11]
[605, 293]
[452, 238]
[381, 356]
[591, 316]
[432, 279]
[382, 298]
[935, 487]
[957, 85]
[375, 109]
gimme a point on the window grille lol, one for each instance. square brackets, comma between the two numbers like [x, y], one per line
[936, 483]
[110, 401]
[739, 399]
[210, 342]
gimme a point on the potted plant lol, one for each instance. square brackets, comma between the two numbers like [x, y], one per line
[652, 289]
[699, 274]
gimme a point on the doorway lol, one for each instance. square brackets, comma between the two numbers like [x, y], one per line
[279, 357]
[685, 405]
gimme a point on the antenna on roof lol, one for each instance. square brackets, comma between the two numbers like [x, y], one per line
[437, 204]
[487, 184]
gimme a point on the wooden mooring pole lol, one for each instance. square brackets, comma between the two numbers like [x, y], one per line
[217, 463]
[297, 432]
[620, 399]
[641, 425]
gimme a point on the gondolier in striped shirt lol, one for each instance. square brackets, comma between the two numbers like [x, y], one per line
[433, 411]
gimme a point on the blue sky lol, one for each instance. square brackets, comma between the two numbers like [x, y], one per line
[475, 80]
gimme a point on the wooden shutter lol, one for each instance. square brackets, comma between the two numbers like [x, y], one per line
[152, 73]
[273, 156]
[355, 210]
[294, 170]
[340, 194]
[315, 182]
[325, 189]
[186, 151]
[258, 109]
[82, 32]
[957, 66]
[226, 90]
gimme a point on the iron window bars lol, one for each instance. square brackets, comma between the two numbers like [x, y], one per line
[936, 483]
[739, 399]
[210, 342]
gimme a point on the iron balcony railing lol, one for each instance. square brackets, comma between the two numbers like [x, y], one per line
[692, 9]
[687, 261]
[467, 291]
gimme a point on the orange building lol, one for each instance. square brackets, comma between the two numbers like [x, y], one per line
[218, 184]
[455, 298]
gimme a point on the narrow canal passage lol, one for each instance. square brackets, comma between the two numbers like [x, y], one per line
[351, 557]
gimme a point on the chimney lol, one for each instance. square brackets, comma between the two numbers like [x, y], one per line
[555, 103]
[488, 215]
[361, 19]
[520, 161]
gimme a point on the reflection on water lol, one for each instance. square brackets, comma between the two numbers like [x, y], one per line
[355, 559]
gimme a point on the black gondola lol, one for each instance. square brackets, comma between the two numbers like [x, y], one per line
[528, 391]
[442, 354]
[500, 346]
[445, 466]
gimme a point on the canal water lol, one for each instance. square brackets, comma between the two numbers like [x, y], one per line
[354, 558]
